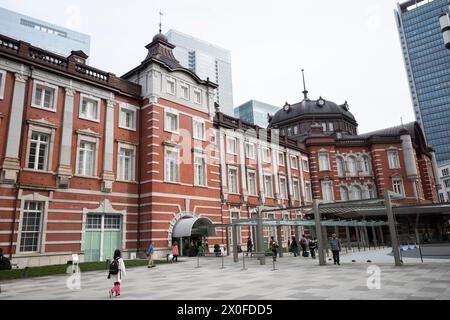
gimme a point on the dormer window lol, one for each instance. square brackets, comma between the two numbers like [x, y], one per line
[197, 96]
[171, 86]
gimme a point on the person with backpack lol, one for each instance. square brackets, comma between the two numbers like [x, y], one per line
[5, 264]
[273, 247]
[150, 253]
[293, 247]
[335, 246]
[116, 273]
[312, 247]
[175, 252]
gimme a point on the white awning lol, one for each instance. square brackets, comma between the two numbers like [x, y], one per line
[184, 226]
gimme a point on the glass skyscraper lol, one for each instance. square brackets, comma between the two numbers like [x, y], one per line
[255, 112]
[206, 60]
[42, 34]
[427, 64]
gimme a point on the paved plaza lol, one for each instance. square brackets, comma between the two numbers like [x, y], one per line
[295, 278]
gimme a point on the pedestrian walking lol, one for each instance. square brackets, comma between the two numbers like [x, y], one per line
[249, 246]
[175, 252]
[116, 272]
[335, 246]
[312, 247]
[273, 245]
[201, 249]
[294, 247]
[150, 253]
[303, 245]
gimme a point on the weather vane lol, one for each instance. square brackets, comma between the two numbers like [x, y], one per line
[305, 92]
[160, 23]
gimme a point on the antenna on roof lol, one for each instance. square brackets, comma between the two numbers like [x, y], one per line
[160, 24]
[305, 92]
[401, 120]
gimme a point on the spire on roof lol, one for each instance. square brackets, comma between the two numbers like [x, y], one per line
[160, 23]
[305, 92]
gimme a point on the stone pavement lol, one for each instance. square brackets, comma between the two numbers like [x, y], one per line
[295, 278]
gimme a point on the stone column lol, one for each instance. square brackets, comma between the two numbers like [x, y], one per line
[280, 242]
[347, 233]
[64, 168]
[11, 164]
[243, 170]
[374, 236]
[108, 173]
[262, 196]
[223, 166]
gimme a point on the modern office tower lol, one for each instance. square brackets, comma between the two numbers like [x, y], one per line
[255, 112]
[42, 34]
[207, 61]
[427, 64]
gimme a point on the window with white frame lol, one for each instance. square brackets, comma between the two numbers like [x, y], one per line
[371, 192]
[268, 185]
[231, 145]
[2, 83]
[199, 169]
[441, 197]
[397, 186]
[447, 183]
[305, 164]
[330, 126]
[344, 193]
[251, 182]
[250, 150]
[283, 187]
[197, 96]
[234, 217]
[365, 164]
[232, 180]
[39, 150]
[296, 189]
[86, 158]
[44, 96]
[356, 193]
[171, 121]
[286, 229]
[351, 165]
[89, 108]
[445, 172]
[199, 129]
[126, 162]
[170, 86]
[394, 162]
[171, 164]
[324, 164]
[294, 164]
[127, 117]
[308, 191]
[184, 91]
[327, 191]
[281, 159]
[31, 224]
[272, 230]
[266, 155]
[340, 166]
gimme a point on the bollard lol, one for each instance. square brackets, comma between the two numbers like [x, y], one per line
[198, 261]
[222, 263]
[243, 262]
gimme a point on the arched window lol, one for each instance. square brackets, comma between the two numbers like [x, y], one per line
[365, 164]
[344, 193]
[351, 165]
[340, 166]
[356, 193]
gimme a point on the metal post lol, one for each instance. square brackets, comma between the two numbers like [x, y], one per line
[366, 236]
[228, 241]
[243, 262]
[259, 236]
[393, 233]
[320, 245]
[223, 267]
[325, 239]
[347, 233]
[357, 238]
[375, 242]
[234, 229]
[280, 242]
[273, 264]
[381, 235]
[198, 260]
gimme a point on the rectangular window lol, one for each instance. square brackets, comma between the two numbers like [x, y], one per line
[281, 159]
[441, 197]
[126, 163]
[327, 191]
[199, 129]
[171, 121]
[447, 183]
[93, 221]
[283, 188]
[397, 185]
[197, 96]
[31, 226]
[171, 165]
[251, 181]
[112, 222]
[250, 150]
[184, 91]
[127, 118]
[296, 189]
[199, 169]
[2, 83]
[305, 164]
[44, 96]
[323, 162]
[308, 190]
[448, 196]
[233, 180]
[266, 155]
[445, 172]
[294, 162]
[394, 162]
[89, 108]
[171, 86]
[268, 185]
[231, 145]
[86, 158]
[39, 151]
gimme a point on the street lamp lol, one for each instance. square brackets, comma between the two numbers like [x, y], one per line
[444, 20]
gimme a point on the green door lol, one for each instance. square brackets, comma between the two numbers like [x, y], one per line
[92, 245]
[102, 236]
[111, 242]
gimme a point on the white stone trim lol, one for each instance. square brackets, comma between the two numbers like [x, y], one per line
[45, 85]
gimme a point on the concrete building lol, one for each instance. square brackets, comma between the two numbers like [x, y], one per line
[207, 61]
[42, 34]
[255, 112]
[444, 181]
[427, 62]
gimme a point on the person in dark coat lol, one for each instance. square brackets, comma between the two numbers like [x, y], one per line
[5, 264]
[293, 247]
[335, 246]
[249, 246]
[312, 247]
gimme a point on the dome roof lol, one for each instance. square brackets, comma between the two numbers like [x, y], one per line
[310, 107]
[160, 36]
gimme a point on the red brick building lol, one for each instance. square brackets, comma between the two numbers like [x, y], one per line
[91, 162]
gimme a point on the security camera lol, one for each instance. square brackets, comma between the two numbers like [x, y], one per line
[444, 20]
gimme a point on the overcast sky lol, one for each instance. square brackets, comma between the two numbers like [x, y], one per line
[349, 49]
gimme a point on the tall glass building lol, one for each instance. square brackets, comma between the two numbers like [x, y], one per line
[427, 64]
[42, 34]
[206, 60]
[255, 112]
